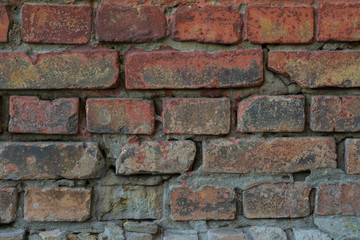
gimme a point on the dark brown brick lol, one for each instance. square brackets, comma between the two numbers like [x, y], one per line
[115, 115]
[191, 70]
[281, 200]
[4, 24]
[205, 203]
[209, 116]
[352, 156]
[273, 155]
[271, 114]
[8, 204]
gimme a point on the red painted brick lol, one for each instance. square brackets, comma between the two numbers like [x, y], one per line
[338, 199]
[209, 116]
[69, 24]
[271, 114]
[191, 70]
[273, 155]
[281, 200]
[57, 204]
[205, 203]
[30, 160]
[4, 24]
[338, 21]
[116, 23]
[280, 24]
[318, 69]
[112, 115]
[335, 114]
[8, 204]
[93, 69]
[352, 156]
[31, 115]
[214, 24]
[161, 157]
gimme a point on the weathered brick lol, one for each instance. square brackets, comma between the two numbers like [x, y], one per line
[69, 24]
[114, 115]
[335, 114]
[267, 233]
[30, 160]
[52, 235]
[156, 157]
[312, 234]
[281, 200]
[4, 24]
[181, 235]
[215, 24]
[190, 70]
[225, 234]
[338, 199]
[352, 156]
[31, 115]
[8, 204]
[338, 21]
[280, 24]
[93, 69]
[57, 204]
[318, 69]
[203, 203]
[273, 155]
[196, 116]
[116, 23]
[12, 235]
[141, 227]
[271, 114]
[130, 202]
[138, 236]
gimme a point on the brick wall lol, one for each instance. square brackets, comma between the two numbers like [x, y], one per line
[180, 120]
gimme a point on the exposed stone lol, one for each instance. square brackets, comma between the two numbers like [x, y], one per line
[225, 234]
[138, 236]
[267, 233]
[8, 204]
[308, 234]
[141, 227]
[180, 235]
[12, 235]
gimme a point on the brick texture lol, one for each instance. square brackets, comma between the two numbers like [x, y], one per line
[8, 204]
[352, 156]
[4, 24]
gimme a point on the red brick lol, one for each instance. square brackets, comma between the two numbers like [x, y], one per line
[8, 204]
[156, 157]
[335, 114]
[93, 69]
[338, 21]
[69, 24]
[205, 203]
[4, 24]
[280, 24]
[31, 115]
[214, 24]
[30, 160]
[209, 116]
[318, 69]
[57, 204]
[273, 155]
[281, 200]
[191, 70]
[116, 23]
[352, 156]
[112, 115]
[271, 114]
[338, 199]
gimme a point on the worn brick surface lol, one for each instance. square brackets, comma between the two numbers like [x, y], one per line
[301, 234]
[116, 23]
[138, 236]
[335, 114]
[268, 233]
[94, 69]
[272, 155]
[215, 24]
[8, 205]
[129, 116]
[280, 24]
[311, 69]
[57, 204]
[156, 157]
[338, 199]
[49, 160]
[352, 156]
[4, 24]
[181, 235]
[13, 235]
[225, 234]
[176, 70]
[338, 21]
[56, 24]
[196, 116]
[205, 203]
[281, 200]
[271, 114]
[31, 115]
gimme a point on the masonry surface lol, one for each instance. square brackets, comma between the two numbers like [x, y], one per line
[180, 120]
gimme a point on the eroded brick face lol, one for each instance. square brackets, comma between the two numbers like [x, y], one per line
[8, 205]
[352, 156]
[4, 24]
